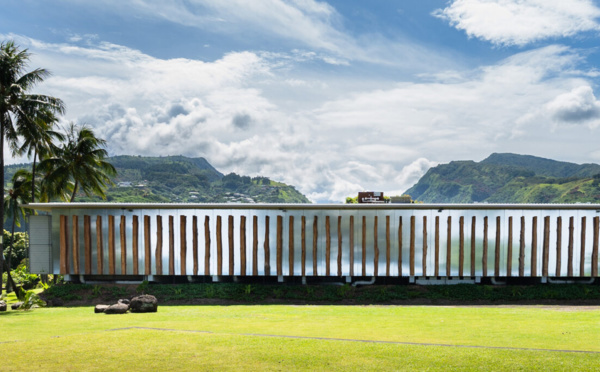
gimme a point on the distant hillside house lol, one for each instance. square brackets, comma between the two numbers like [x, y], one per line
[125, 184]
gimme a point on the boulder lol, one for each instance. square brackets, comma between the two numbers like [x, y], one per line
[116, 309]
[3, 306]
[16, 305]
[123, 301]
[143, 304]
[100, 308]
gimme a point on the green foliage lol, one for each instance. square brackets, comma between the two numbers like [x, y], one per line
[143, 287]
[22, 277]
[20, 243]
[96, 291]
[248, 293]
[31, 300]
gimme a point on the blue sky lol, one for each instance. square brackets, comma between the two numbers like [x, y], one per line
[331, 96]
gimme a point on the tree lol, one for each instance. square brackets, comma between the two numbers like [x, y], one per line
[38, 141]
[79, 163]
[14, 197]
[18, 106]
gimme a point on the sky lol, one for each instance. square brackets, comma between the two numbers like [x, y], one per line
[333, 97]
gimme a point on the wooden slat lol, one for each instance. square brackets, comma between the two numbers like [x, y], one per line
[412, 246]
[75, 227]
[219, 247]
[437, 247]
[111, 245]
[135, 231]
[449, 247]
[376, 249]
[546, 246]
[582, 248]
[351, 244]
[195, 244]
[243, 245]
[230, 241]
[400, 246]
[364, 246]
[123, 239]
[87, 244]
[279, 245]
[339, 256]
[159, 245]
[522, 248]
[147, 245]
[303, 244]
[473, 245]
[595, 247]
[267, 247]
[206, 245]
[534, 247]
[64, 245]
[291, 246]
[424, 245]
[255, 245]
[571, 247]
[388, 247]
[171, 245]
[327, 246]
[99, 245]
[182, 245]
[509, 252]
[461, 246]
[484, 257]
[558, 245]
[497, 249]
[314, 248]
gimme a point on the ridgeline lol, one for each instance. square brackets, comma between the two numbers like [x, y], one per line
[179, 179]
[509, 178]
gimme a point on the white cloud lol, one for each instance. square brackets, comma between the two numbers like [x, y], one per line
[246, 113]
[520, 22]
[577, 106]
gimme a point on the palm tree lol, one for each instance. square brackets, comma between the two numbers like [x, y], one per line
[14, 197]
[79, 163]
[38, 142]
[17, 106]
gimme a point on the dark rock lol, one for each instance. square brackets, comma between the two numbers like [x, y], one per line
[100, 308]
[116, 309]
[16, 305]
[123, 301]
[56, 302]
[3, 306]
[143, 304]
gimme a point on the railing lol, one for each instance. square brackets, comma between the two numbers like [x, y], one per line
[327, 240]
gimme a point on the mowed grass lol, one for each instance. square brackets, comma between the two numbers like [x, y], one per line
[240, 338]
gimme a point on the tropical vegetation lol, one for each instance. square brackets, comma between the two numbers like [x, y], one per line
[69, 161]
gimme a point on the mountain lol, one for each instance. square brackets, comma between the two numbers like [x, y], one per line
[509, 178]
[179, 179]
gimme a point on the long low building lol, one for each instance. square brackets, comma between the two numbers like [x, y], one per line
[422, 243]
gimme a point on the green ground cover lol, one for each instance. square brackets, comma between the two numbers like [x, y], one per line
[235, 337]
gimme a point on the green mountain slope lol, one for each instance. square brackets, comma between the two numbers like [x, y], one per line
[178, 179]
[509, 178]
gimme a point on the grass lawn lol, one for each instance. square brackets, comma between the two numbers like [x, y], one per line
[240, 338]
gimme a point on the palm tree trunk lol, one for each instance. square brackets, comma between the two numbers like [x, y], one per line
[33, 177]
[10, 279]
[12, 242]
[2, 116]
[74, 192]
